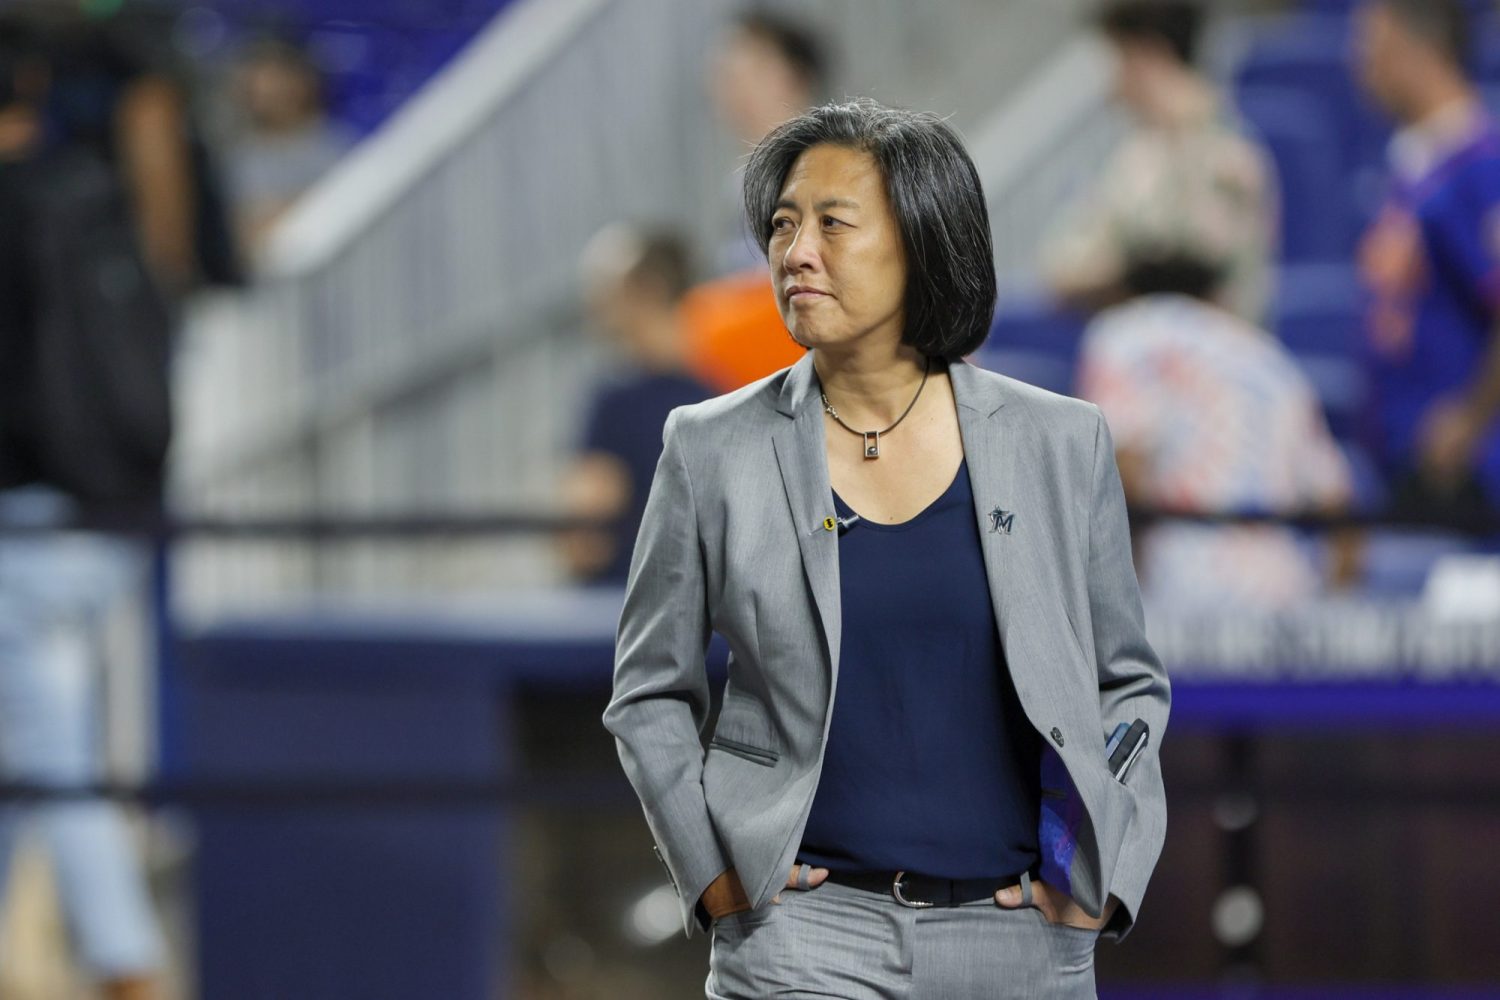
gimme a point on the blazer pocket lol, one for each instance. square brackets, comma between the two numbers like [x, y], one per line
[744, 730]
[755, 755]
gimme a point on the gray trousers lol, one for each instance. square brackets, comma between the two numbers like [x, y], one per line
[837, 941]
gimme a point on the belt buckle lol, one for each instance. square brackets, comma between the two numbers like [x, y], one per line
[916, 904]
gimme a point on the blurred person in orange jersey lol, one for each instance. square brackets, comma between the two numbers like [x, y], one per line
[1186, 175]
[735, 334]
[634, 281]
[765, 70]
[1431, 261]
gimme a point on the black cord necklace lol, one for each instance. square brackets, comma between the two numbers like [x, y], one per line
[872, 438]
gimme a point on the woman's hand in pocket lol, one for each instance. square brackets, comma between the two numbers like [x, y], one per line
[815, 877]
[1057, 906]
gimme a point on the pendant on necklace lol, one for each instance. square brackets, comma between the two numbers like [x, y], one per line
[872, 444]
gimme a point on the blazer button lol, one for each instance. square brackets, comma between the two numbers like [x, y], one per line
[1057, 736]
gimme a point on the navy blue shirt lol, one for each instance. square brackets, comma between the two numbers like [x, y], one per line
[625, 420]
[931, 765]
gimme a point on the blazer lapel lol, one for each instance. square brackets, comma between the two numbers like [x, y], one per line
[990, 448]
[993, 440]
[802, 458]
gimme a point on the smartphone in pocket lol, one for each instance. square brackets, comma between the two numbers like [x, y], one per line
[1125, 745]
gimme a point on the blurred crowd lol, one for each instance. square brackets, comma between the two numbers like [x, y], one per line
[1172, 256]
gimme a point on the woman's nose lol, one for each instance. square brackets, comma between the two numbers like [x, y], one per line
[802, 252]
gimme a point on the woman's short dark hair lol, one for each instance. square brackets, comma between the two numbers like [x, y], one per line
[939, 206]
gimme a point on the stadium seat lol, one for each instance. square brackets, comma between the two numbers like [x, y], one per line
[1318, 320]
[1035, 341]
[1318, 218]
[1310, 54]
[375, 53]
[1318, 309]
[1486, 54]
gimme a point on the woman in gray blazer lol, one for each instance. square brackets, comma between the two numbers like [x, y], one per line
[943, 547]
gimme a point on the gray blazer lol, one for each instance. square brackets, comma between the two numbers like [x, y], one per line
[733, 542]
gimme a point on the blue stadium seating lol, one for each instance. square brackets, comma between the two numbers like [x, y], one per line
[1318, 319]
[1486, 55]
[1318, 308]
[375, 53]
[1319, 221]
[1035, 341]
[1310, 54]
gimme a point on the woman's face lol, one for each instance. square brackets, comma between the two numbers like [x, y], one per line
[836, 258]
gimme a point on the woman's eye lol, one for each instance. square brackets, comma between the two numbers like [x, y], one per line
[780, 223]
[829, 220]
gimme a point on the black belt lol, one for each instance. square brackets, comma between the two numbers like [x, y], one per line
[917, 890]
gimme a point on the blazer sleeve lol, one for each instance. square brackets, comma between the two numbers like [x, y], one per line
[660, 702]
[1132, 681]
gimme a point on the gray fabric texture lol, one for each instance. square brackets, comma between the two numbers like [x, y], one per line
[835, 941]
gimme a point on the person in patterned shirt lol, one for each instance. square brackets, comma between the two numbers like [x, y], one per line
[1210, 413]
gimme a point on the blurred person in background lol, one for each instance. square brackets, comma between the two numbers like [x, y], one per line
[84, 421]
[117, 95]
[288, 141]
[111, 101]
[1211, 414]
[634, 281]
[765, 69]
[1186, 175]
[1431, 263]
[852, 525]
